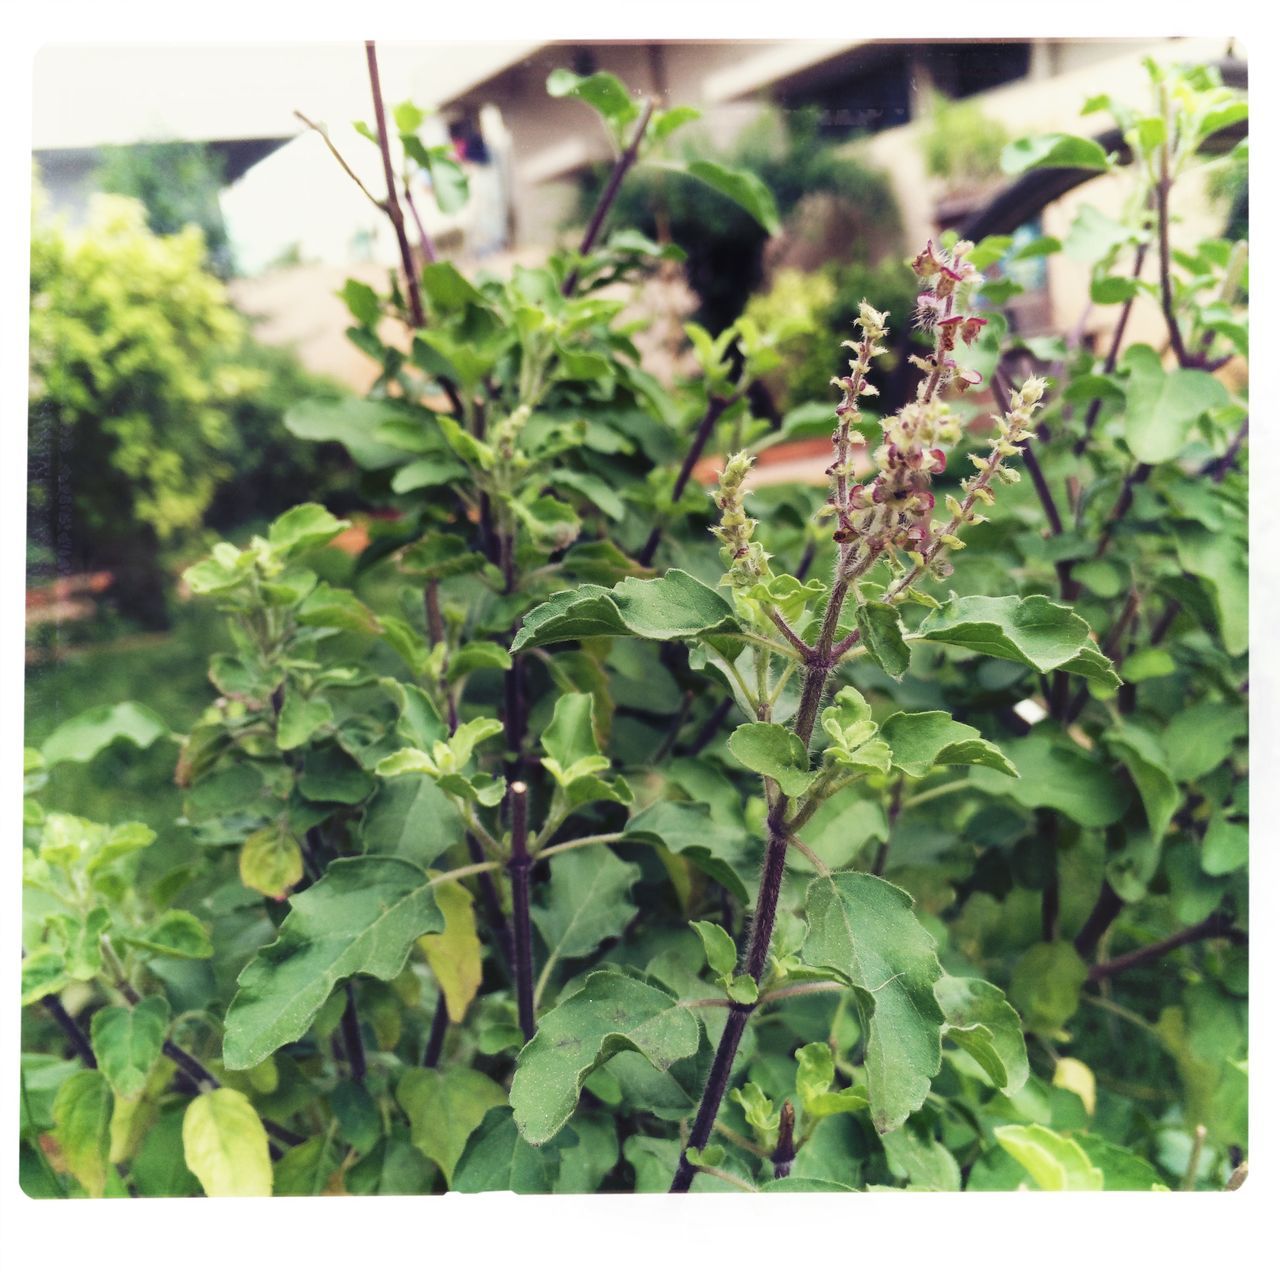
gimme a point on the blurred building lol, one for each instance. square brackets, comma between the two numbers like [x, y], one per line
[288, 204]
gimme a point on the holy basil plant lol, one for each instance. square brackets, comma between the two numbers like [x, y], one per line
[526, 865]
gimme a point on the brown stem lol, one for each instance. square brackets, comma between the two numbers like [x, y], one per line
[392, 204]
[70, 1028]
[1163, 187]
[1105, 910]
[1215, 926]
[352, 1039]
[425, 244]
[895, 807]
[435, 1037]
[1113, 354]
[816, 672]
[1219, 467]
[716, 407]
[610, 194]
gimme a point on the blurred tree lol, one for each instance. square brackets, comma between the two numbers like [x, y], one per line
[178, 184]
[147, 400]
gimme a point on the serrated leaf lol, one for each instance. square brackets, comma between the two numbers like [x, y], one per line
[690, 831]
[983, 1023]
[881, 631]
[610, 1013]
[444, 1108]
[447, 289]
[675, 606]
[1031, 630]
[774, 751]
[303, 527]
[354, 424]
[1054, 1161]
[127, 1042]
[176, 933]
[362, 916]
[864, 929]
[300, 718]
[589, 901]
[1162, 406]
[455, 954]
[271, 862]
[919, 740]
[225, 1145]
[82, 737]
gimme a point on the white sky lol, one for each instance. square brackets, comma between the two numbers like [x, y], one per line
[90, 95]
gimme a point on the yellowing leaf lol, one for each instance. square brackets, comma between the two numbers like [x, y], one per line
[454, 955]
[225, 1145]
[1071, 1073]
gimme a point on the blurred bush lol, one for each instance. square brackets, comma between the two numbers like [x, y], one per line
[820, 308]
[149, 404]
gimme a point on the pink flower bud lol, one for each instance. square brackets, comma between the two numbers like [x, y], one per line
[973, 326]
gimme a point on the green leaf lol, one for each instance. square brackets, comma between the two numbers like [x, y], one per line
[176, 933]
[362, 916]
[444, 1108]
[271, 862]
[305, 1170]
[1031, 630]
[447, 289]
[354, 424]
[300, 719]
[449, 183]
[864, 930]
[881, 631]
[1225, 848]
[609, 1014]
[1221, 564]
[774, 751]
[741, 186]
[1055, 1162]
[983, 1023]
[689, 831]
[1143, 755]
[82, 1128]
[919, 740]
[44, 973]
[1046, 984]
[302, 528]
[1147, 664]
[571, 735]
[1054, 773]
[127, 1042]
[337, 607]
[675, 606]
[410, 818]
[922, 1160]
[1161, 407]
[455, 954]
[722, 952]
[439, 556]
[422, 473]
[1122, 1170]
[1112, 289]
[225, 1145]
[82, 737]
[589, 900]
[1052, 151]
[362, 302]
[602, 91]
[815, 1074]
[497, 1158]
